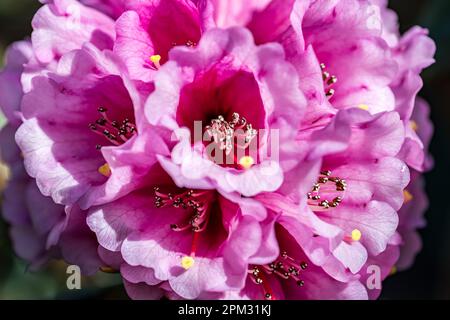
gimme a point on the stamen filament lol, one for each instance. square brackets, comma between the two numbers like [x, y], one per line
[285, 267]
[114, 131]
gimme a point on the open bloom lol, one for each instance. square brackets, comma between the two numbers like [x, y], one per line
[35, 221]
[65, 25]
[413, 52]
[145, 33]
[412, 219]
[232, 112]
[359, 189]
[198, 240]
[292, 276]
[39, 228]
[416, 202]
[73, 120]
[357, 70]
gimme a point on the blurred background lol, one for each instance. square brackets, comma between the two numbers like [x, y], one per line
[429, 278]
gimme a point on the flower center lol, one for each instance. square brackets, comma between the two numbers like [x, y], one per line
[116, 132]
[199, 203]
[285, 268]
[329, 81]
[235, 134]
[327, 193]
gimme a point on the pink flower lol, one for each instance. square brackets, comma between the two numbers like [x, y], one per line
[321, 28]
[75, 119]
[145, 33]
[65, 25]
[411, 215]
[357, 69]
[419, 131]
[228, 80]
[10, 80]
[346, 220]
[292, 276]
[35, 221]
[359, 189]
[39, 228]
[413, 52]
[200, 240]
[411, 219]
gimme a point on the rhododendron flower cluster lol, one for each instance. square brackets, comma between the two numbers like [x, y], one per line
[216, 149]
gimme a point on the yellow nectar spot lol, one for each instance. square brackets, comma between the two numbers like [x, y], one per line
[393, 270]
[156, 60]
[414, 125]
[356, 235]
[108, 270]
[105, 170]
[246, 162]
[187, 262]
[5, 174]
[364, 107]
[407, 196]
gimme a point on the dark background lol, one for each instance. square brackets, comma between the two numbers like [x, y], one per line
[429, 278]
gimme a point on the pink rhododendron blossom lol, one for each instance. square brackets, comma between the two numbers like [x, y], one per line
[212, 149]
[73, 120]
[294, 272]
[411, 219]
[413, 52]
[36, 222]
[145, 34]
[197, 236]
[220, 79]
[65, 25]
[40, 229]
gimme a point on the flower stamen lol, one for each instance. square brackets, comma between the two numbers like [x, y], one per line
[326, 184]
[407, 196]
[285, 267]
[189, 44]
[246, 162]
[329, 81]
[196, 200]
[356, 235]
[156, 60]
[115, 132]
[105, 170]
[224, 132]
[187, 262]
